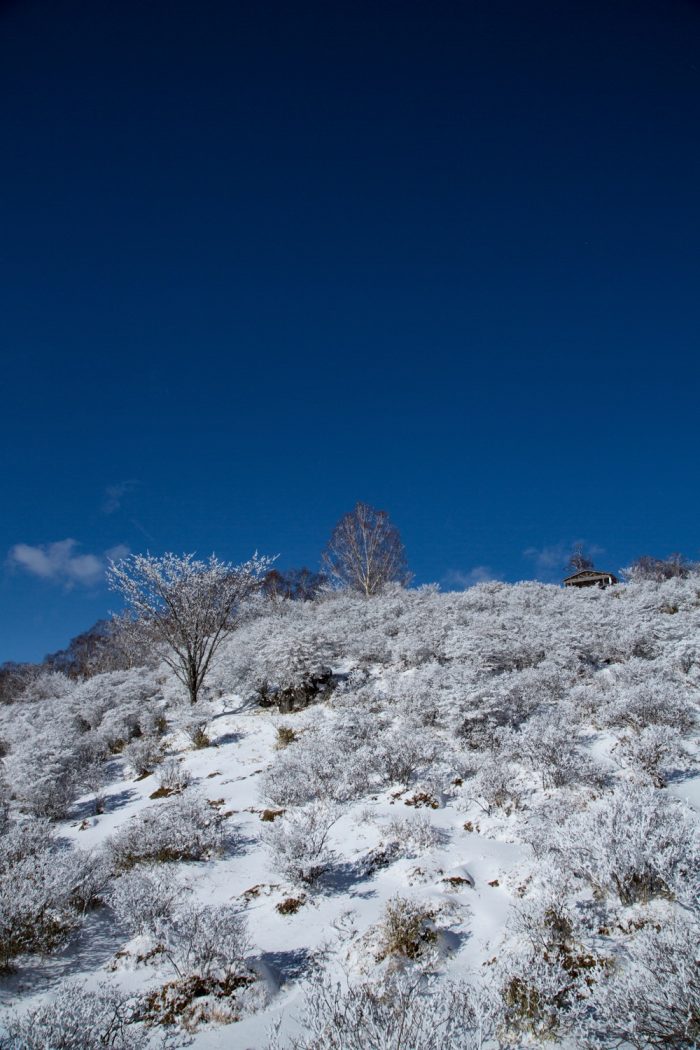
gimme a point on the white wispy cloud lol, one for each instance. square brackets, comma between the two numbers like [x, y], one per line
[459, 580]
[552, 560]
[62, 562]
[114, 495]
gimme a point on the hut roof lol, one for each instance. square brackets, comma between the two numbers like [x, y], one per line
[584, 575]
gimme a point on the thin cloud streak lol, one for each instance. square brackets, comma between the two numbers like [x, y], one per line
[458, 580]
[114, 495]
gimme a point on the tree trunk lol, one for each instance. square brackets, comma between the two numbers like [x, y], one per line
[192, 683]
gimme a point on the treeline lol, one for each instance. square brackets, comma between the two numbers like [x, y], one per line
[364, 553]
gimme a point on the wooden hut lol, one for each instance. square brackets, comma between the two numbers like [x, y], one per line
[590, 578]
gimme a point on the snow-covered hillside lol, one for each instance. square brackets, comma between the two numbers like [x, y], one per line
[481, 832]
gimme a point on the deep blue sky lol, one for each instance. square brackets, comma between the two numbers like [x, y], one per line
[261, 260]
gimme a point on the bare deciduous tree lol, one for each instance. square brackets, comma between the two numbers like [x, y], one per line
[365, 551]
[188, 605]
[579, 559]
[675, 566]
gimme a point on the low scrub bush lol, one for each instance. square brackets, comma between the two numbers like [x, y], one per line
[183, 828]
[144, 898]
[398, 1013]
[633, 842]
[414, 834]
[143, 755]
[652, 997]
[173, 777]
[545, 971]
[79, 1019]
[205, 940]
[406, 929]
[40, 891]
[652, 752]
[298, 842]
[196, 731]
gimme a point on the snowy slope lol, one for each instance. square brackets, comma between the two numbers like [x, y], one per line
[475, 683]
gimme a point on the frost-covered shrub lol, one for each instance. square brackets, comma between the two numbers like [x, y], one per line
[414, 834]
[544, 970]
[46, 782]
[78, 1018]
[196, 732]
[640, 699]
[144, 898]
[183, 828]
[298, 842]
[550, 750]
[399, 1013]
[143, 754]
[406, 929]
[651, 999]
[497, 784]
[49, 685]
[91, 875]
[401, 752]
[173, 776]
[653, 750]
[206, 940]
[61, 732]
[38, 879]
[333, 762]
[633, 842]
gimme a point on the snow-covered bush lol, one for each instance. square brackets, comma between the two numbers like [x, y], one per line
[550, 750]
[173, 776]
[144, 898]
[401, 752]
[544, 971]
[78, 1018]
[333, 763]
[143, 754]
[399, 1013]
[638, 699]
[497, 784]
[652, 751]
[46, 782]
[49, 685]
[182, 828]
[205, 940]
[406, 929]
[91, 875]
[39, 906]
[633, 842]
[298, 842]
[651, 999]
[414, 834]
[196, 731]
[61, 732]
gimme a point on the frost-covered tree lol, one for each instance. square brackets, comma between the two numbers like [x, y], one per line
[189, 606]
[365, 551]
[579, 559]
[675, 566]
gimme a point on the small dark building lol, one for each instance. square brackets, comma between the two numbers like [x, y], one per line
[590, 578]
